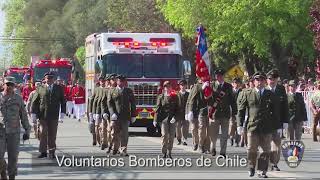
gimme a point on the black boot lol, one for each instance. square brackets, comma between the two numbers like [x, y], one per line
[12, 177]
[169, 155]
[213, 152]
[109, 150]
[42, 155]
[52, 155]
[231, 141]
[164, 156]
[251, 172]
[103, 146]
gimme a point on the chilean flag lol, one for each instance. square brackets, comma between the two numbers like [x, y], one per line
[203, 61]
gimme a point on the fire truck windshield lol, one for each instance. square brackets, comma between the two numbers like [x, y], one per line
[63, 73]
[129, 65]
[137, 65]
[18, 76]
[161, 65]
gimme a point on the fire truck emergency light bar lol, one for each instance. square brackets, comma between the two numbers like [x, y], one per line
[128, 42]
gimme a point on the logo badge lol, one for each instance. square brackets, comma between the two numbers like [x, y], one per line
[292, 152]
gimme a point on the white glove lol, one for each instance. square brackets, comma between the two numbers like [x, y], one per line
[285, 125]
[133, 119]
[186, 116]
[96, 117]
[190, 116]
[105, 116]
[154, 123]
[33, 117]
[91, 118]
[279, 131]
[205, 84]
[305, 123]
[173, 120]
[114, 117]
[62, 115]
[240, 130]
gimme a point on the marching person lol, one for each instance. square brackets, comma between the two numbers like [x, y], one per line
[182, 123]
[27, 89]
[221, 117]
[234, 136]
[96, 108]
[263, 115]
[12, 113]
[60, 82]
[47, 102]
[297, 112]
[197, 115]
[68, 96]
[166, 111]
[78, 96]
[282, 100]
[106, 135]
[28, 106]
[91, 121]
[122, 107]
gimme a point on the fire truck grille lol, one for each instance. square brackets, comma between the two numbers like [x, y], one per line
[145, 94]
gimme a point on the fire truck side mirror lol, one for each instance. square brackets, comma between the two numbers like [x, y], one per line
[186, 68]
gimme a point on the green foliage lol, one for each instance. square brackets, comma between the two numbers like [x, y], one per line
[273, 29]
[81, 55]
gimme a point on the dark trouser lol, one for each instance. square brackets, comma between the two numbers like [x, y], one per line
[48, 135]
[214, 126]
[10, 143]
[115, 135]
[275, 148]
[254, 141]
[124, 133]
[295, 130]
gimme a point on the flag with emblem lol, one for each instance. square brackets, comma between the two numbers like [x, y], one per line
[203, 61]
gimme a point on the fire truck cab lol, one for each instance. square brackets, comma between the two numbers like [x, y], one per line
[146, 59]
[60, 67]
[18, 73]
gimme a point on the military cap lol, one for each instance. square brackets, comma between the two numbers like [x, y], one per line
[121, 77]
[59, 79]
[49, 74]
[273, 73]
[292, 83]
[107, 77]
[258, 75]
[166, 83]
[113, 76]
[101, 78]
[285, 81]
[219, 71]
[236, 80]
[9, 80]
[182, 82]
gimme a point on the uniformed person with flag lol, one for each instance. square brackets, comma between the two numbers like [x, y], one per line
[282, 100]
[12, 113]
[197, 115]
[220, 118]
[263, 117]
[297, 112]
[182, 123]
[166, 112]
[122, 108]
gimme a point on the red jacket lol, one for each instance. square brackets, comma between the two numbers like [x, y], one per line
[26, 92]
[78, 95]
[68, 92]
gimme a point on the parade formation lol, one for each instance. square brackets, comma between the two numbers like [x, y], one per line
[140, 80]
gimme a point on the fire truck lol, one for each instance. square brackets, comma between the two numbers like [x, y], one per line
[18, 73]
[146, 59]
[61, 68]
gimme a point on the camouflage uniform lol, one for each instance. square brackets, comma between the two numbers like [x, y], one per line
[12, 112]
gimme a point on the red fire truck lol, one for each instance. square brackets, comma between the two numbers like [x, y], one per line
[146, 59]
[60, 67]
[18, 73]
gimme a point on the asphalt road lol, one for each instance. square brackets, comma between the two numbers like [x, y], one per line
[78, 159]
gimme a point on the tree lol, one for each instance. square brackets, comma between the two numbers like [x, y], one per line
[270, 30]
